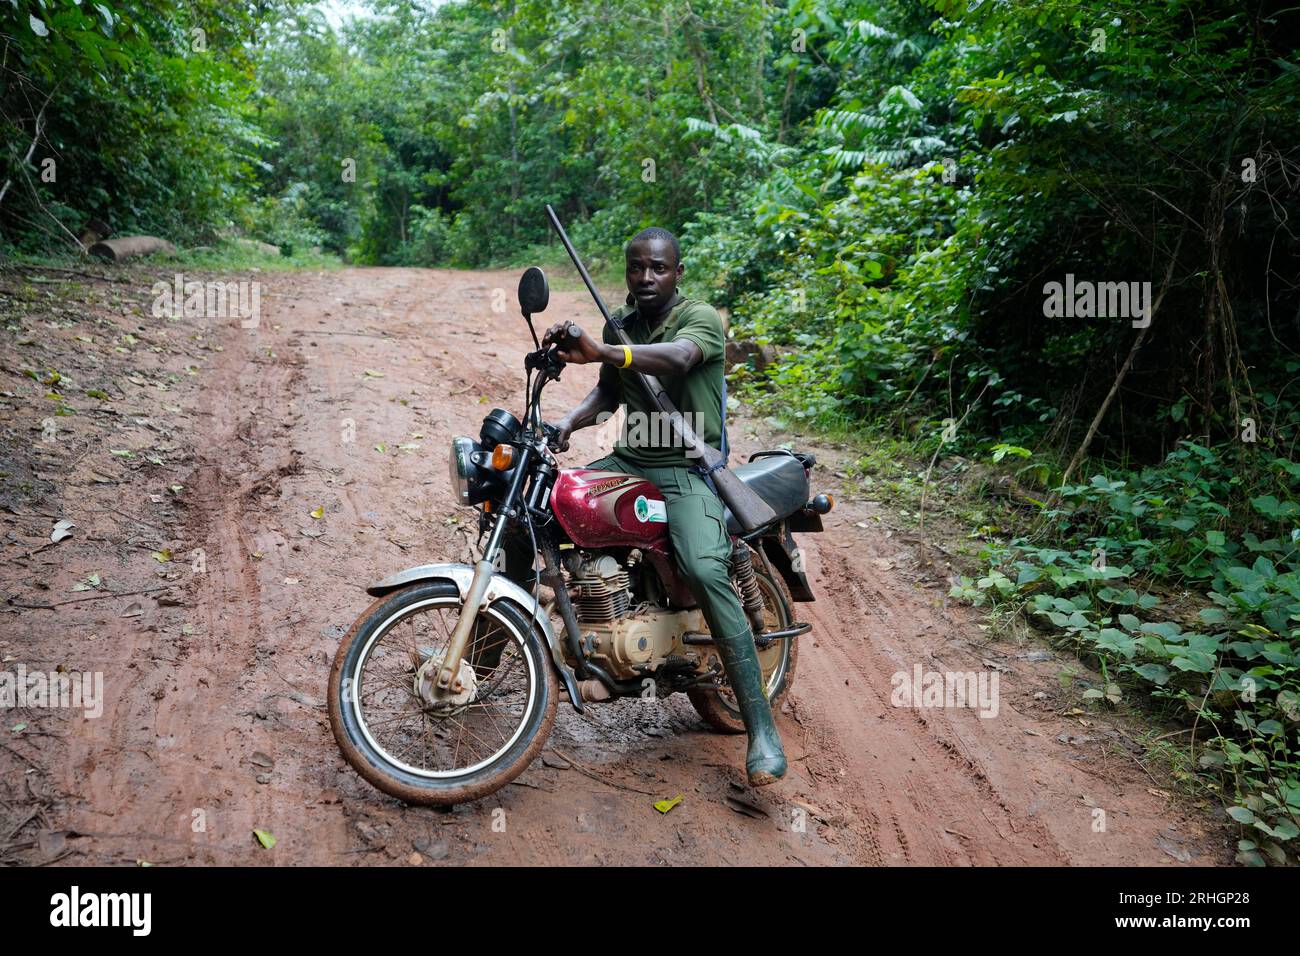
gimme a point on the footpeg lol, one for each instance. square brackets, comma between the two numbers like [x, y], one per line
[794, 630]
[760, 640]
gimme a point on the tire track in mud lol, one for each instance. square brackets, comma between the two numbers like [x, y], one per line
[158, 778]
[935, 728]
[211, 721]
[242, 465]
[948, 794]
[1003, 790]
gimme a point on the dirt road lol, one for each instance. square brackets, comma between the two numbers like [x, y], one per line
[201, 471]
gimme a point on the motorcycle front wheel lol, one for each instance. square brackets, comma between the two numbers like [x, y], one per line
[440, 753]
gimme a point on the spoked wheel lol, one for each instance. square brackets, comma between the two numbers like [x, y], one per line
[715, 702]
[420, 749]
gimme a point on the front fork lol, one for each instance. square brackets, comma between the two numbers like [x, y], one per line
[448, 683]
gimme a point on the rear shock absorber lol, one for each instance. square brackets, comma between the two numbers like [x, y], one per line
[742, 572]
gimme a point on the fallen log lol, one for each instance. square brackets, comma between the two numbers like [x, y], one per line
[128, 247]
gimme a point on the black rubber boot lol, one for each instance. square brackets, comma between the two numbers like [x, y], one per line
[765, 760]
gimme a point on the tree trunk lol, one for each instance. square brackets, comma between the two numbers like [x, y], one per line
[40, 129]
[785, 106]
[1082, 450]
[514, 159]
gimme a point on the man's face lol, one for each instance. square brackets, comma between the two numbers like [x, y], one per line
[652, 273]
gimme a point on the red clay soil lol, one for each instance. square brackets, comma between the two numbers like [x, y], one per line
[344, 398]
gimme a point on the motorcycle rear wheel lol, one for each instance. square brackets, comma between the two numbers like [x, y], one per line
[715, 702]
[396, 741]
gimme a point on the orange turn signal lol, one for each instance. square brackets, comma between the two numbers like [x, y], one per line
[821, 504]
[502, 456]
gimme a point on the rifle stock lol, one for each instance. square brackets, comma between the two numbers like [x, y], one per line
[751, 511]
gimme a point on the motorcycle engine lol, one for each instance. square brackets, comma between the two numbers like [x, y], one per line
[603, 589]
[602, 605]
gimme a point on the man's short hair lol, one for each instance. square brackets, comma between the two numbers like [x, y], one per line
[656, 232]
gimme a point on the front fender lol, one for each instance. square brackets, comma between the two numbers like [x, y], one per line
[500, 588]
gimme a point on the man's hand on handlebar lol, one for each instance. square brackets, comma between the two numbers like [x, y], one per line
[557, 434]
[572, 344]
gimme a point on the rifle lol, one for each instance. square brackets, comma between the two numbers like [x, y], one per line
[751, 511]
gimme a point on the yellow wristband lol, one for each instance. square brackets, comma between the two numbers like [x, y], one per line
[627, 357]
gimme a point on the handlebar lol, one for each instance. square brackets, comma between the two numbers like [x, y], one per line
[551, 365]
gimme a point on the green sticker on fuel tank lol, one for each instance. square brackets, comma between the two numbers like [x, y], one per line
[649, 510]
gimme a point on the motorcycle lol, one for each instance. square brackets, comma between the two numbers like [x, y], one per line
[446, 687]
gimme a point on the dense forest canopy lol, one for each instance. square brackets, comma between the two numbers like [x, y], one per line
[1055, 233]
[886, 185]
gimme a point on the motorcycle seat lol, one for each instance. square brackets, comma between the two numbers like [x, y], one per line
[779, 479]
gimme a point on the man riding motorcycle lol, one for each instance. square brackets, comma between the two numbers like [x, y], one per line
[681, 341]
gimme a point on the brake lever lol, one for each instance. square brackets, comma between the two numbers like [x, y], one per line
[551, 435]
[549, 359]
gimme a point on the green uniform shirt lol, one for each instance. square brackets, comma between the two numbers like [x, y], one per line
[647, 438]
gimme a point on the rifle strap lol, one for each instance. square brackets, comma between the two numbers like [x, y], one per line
[619, 324]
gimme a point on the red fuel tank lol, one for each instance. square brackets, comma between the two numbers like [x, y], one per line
[601, 509]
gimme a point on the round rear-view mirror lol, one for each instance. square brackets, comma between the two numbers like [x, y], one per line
[534, 293]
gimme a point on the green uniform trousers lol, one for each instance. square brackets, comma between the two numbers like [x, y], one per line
[697, 526]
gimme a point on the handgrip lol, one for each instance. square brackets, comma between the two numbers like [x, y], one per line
[572, 331]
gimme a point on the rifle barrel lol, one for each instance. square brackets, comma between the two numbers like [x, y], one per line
[573, 254]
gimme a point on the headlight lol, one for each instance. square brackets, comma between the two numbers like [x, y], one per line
[462, 468]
